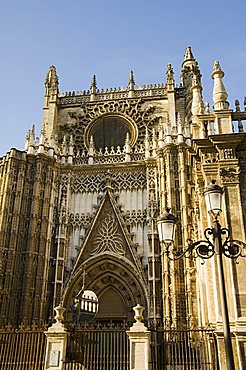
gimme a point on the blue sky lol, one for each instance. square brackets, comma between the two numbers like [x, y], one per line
[109, 38]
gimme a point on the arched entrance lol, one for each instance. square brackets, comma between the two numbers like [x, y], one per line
[115, 280]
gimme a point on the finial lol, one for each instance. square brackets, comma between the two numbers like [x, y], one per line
[93, 88]
[138, 313]
[52, 75]
[207, 108]
[131, 85]
[188, 54]
[217, 68]
[170, 77]
[93, 82]
[219, 92]
[201, 108]
[131, 79]
[237, 105]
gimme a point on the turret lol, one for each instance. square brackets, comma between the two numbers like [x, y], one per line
[189, 68]
[219, 92]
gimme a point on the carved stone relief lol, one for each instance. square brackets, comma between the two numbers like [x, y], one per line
[139, 119]
[95, 182]
[229, 174]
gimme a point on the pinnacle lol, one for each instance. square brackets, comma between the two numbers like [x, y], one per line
[217, 69]
[131, 78]
[52, 75]
[188, 54]
[217, 66]
[93, 81]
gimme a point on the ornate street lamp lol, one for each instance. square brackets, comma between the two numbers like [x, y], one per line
[166, 224]
[221, 244]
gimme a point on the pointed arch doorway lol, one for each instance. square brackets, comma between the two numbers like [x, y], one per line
[116, 282]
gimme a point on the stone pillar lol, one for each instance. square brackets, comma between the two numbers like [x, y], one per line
[56, 342]
[139, 342]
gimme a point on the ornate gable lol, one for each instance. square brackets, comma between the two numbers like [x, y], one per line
[108, 235]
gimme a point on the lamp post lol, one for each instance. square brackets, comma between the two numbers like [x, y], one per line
[221, 244]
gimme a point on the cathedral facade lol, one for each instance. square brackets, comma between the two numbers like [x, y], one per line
[79, 205]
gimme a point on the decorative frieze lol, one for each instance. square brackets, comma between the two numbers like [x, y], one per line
[230, 175]
[95, 182]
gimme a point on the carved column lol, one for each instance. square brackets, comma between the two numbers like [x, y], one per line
[61, 237]
[154, 247]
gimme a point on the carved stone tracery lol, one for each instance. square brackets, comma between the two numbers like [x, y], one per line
[139, 119]
[122, 180]
[108, 238]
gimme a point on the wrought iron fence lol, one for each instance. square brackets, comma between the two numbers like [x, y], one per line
[183, 350]
[22, 348]
[97, 347]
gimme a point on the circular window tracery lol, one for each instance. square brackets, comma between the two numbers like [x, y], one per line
[110, 131]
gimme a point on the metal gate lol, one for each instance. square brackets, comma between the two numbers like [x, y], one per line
[22, 348]
[98, 347]
[183, 350]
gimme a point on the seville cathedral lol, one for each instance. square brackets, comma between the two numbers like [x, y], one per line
[79, 205]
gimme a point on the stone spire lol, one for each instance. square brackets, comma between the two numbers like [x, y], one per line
[51, 82]
[50, 107]
[188, 54]
[131, 85]
[196, 90]
[219, 92]
[93, 88]
[189, 67]
[170, 77]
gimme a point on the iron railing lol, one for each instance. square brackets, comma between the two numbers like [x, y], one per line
[97, 347]
[183, 350]
[22, 348]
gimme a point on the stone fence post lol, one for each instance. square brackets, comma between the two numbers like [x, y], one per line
[56, 342]
[139, 342]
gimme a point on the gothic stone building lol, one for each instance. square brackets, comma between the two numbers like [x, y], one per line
[79, 204]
